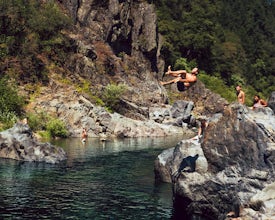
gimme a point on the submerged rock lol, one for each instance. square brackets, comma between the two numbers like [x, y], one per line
[18, 143]
[233, 171]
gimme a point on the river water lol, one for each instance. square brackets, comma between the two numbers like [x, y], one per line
[99, 180]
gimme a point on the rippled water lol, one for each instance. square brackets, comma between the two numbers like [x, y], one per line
[100, 180]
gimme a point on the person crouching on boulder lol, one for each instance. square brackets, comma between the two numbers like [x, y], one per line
[202, 125]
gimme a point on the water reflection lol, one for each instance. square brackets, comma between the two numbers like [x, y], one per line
[100, 180]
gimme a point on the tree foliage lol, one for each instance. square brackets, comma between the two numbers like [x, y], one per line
[231, 39]
[11, 104]
[112, 95]
[30, 33]
[10, 101]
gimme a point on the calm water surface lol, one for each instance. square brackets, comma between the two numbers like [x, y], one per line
[100, 180]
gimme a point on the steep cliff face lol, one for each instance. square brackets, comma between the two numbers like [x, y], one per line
[113, 42]
[240, 138]
[117, 42]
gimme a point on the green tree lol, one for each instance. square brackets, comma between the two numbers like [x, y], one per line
[230, 39]
[57, 128]
[112, 95]
[191, 28]
[31, 33]
[10, 101]
[253, 21]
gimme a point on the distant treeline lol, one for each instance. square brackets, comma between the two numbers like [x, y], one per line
[233, 40]
[31, 33]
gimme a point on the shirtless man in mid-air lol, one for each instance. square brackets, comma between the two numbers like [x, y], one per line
[182, 76]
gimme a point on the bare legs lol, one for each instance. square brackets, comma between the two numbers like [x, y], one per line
[170, 81]
[175, 73]
[168, 70]
[179, 74]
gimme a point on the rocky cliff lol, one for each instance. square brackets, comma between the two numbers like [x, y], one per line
[78, 111]
[234, 166]
[115, 42]
[118, 41]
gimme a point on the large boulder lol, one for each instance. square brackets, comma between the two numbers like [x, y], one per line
[241, 137]
[168, 162]
[235, 160]
[18, 143]
[179, 114]
[271, 101]
[206, 101]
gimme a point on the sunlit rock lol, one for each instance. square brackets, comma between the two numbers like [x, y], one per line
[237, 168]
[18, 143]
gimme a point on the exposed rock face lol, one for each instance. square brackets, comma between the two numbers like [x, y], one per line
[18, 143]
[206, 102]
[179, 114]
[271, 101]
[236, 161]
[78, 112]
[117, 41]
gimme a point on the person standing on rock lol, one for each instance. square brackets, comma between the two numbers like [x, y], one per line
[202, 125]
[25, 121]
[182, 78]
[240, 94]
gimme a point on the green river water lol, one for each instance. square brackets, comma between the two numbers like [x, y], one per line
[99, 180]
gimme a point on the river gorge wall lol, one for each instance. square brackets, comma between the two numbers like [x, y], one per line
[116, 42]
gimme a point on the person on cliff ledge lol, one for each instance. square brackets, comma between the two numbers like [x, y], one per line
[182, 78]
[24, 121]
[258, 102]
[240, 94]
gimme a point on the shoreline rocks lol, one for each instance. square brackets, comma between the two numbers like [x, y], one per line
[235, 164]
[18, 143]
[78, 112]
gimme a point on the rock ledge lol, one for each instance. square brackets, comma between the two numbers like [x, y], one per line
[18, 143]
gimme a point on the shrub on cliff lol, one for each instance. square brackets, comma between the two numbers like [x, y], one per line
[11, 104]
[46, 126]
[57, 128]
[10, 101]
[217, 85]
[112, 95]
[37, 121]
[31, 34]
[7, 120]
